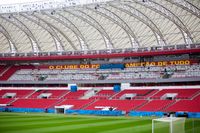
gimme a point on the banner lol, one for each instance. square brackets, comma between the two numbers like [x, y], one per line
[127, 65]
[82, 66]
[159, 63]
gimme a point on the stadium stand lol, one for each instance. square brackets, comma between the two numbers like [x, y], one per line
[185, 105]
[15, 93]
[48, 94]
[155, 105]
[182, 71]
[139, 94]
[181, 93]
[5, 100]
[146, 48]
[77, 104]
[103, 94]
[34, 103]
[124, 105]
[75, 95]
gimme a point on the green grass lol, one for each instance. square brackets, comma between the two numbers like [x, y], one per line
[53, 123]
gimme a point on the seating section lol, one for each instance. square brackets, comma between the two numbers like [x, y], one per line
[29, 73]
[2, 68]
[75, 95]
[9, 72]
[5, 100]
[19, 93]
[125, 105]
[139, 93]
[54, 93]
[103, 94]
[187, 99]
[182, 93]
[34, 103]
[155, 105]
[77, 104]
[185, 105]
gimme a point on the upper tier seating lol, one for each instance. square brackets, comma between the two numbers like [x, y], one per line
[34, 103]
[155, 105]
[155, 72]
[182, 93]
[77, 104]
[54, 93]
[124, 105]
[19, 93]
[2, 68]
[9, 72]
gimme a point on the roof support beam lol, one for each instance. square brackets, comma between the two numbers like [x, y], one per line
[91, 21]
[105, 12]
[63, 20]
[25, 29]
[50, 28]
[186, 5]
[143, 18]
[158, 8]
[13, 48]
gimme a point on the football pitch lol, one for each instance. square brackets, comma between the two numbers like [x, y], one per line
[57, 123]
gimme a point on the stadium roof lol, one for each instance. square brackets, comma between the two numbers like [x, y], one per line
[114, 24]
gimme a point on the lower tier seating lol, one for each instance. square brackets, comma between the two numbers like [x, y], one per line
[185, 105]
[34, 103]
[125, 105]
[77, 104]
[5, 100]
[155, 105]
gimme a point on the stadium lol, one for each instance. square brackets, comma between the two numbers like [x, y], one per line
[100, 66]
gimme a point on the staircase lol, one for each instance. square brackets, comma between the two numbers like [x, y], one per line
[60, 101]
[13, 101]
[62, 96]
[85, 106]
[141, 105]
[5, 69]
[30, 94]
[114, 95]
[88, 94]
[8, 72]
[195, 95]
[153, 94]
[164, 108]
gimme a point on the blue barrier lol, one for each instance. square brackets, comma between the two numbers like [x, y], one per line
[50, 110]
[2, 109]
[95, 112]
[111, 66]
[145, 113]
[26, 110]
[193, 115]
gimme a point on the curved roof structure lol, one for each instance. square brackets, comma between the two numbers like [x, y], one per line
[109, 25]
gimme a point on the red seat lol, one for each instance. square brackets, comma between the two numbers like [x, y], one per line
[34, 103]
[125, 105]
